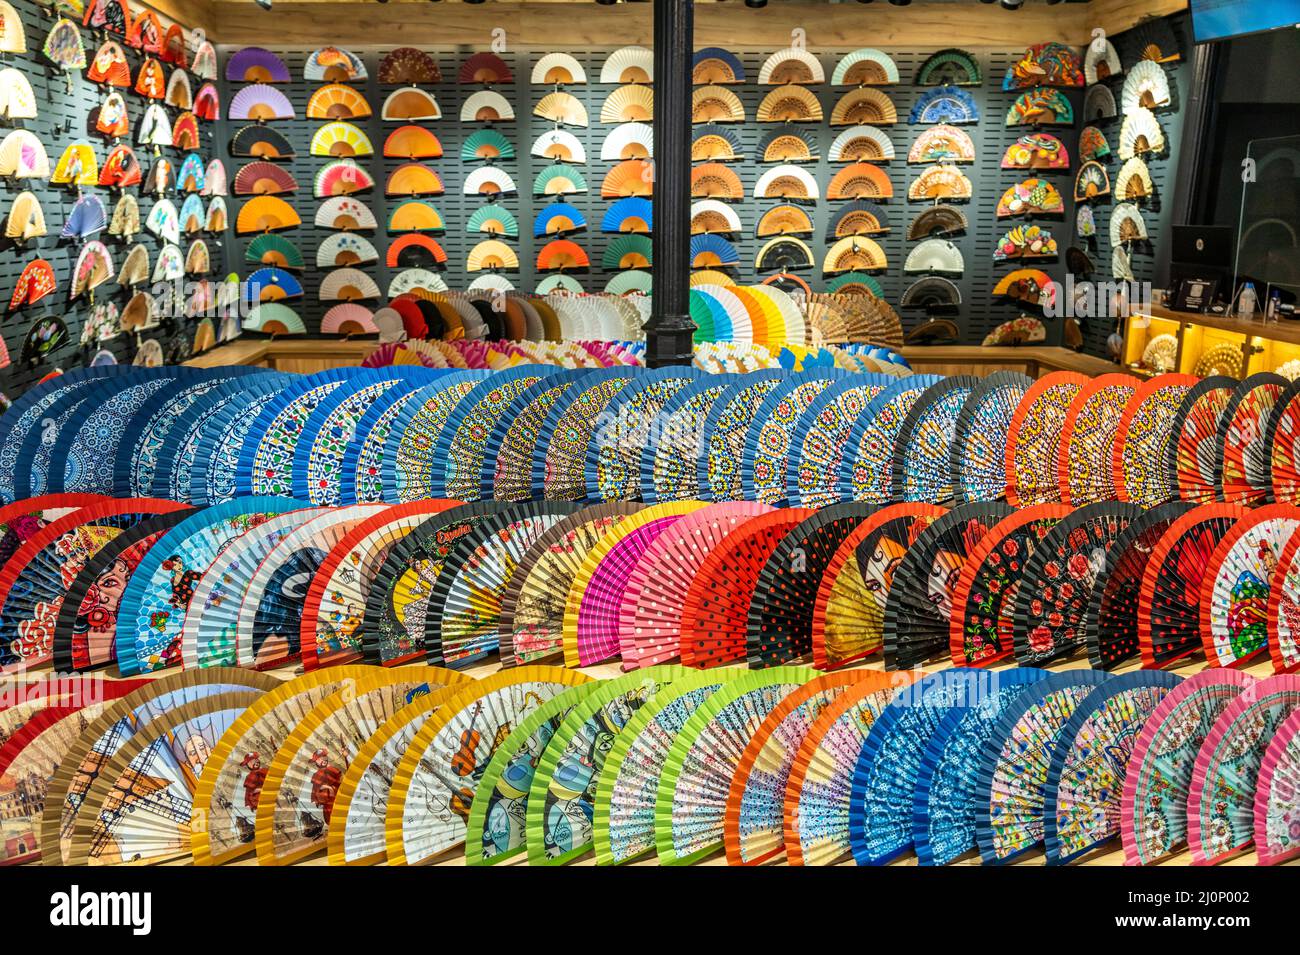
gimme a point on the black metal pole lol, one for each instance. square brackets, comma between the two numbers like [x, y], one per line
[669, 331]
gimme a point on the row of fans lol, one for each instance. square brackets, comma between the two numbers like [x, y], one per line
[408, 766]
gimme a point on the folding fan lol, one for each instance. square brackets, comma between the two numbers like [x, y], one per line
[340, 139]
[23, 156]
[1146, 87]
[1242, 458]
[1034, 438]
[1140, 133]
[1045, 64]
[937, 144]
[335, 65]
[26, 219]
[178, 92]
[87, 218]
[183, 134]
[1088, 439]
[17, 101]
[951, 66]
[273, 318]
[716, 104]
[866, 470]
[488, 181]
[1133, 181]
[259, 103]
[946, 104]
[260, 142]
[63, 46]
[860, 180]
[109, 66]
[789, 103]
[207, 105]
[1191, 461]
[1041, 106]
[489, 106]
[557, 69]
[1275, 809]
[1147, 440]
[255, 65]
[823, 437]
[1221, 794]
[337, 101]
[940, 182]
[629, 64]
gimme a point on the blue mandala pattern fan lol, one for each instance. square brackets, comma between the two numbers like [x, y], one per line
[867, 468]
[507, 471]
[823, 437]
[772, 432]
[669, 470]
[979, 442]
[921, 470]
[408, 460]
[722, 458]
[560, 466]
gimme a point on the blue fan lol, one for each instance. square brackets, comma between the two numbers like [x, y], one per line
[873, 209]
[220, 440]
[318, 457]
[286, 282]
[722, 56]
[978, 454]
[669, 465]
[632, 207]
[560, 464]
[713, 247]
[156, 600]
[192, 169]
[945, 104]
[1081, 808]
[1011, 778]
[943, 807]
[722, 452]
[407, 461]
[564, 209]
[86, 218]
[822, 439]
[922, 470]
[772, 430]
[866, 469]
[266, 456]
[362, 473]
[507, 470]
[138, 461]
[192, 208]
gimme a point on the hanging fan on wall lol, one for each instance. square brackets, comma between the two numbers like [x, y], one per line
[1034, 438]
[981, 436]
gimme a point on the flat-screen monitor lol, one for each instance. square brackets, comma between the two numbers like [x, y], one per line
[1220, 19]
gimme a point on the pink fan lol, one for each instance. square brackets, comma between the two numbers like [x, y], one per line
[1277, 796]
[348, 318]
[650, 615]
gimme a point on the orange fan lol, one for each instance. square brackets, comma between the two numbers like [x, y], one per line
[413, 179]
[861, 180]
[264, 214]
[337, 101]
[151, 81]
[784, 220]
[413, 240]
[864, 106]
[790, 104]
[713, 180]
[632, 177]
[412, 142]
[562, 254]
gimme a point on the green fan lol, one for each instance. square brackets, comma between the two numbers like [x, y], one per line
[486, 144]
[633, 280]
[630, 251]
[503, 222]
[559, 180]
[275, 250]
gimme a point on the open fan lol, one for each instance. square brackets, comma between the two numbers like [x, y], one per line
[266, 457]
[1034, 438]
[1275, 796]
[1193, 459]
[1088, 438]
[561, 468]
[669, 467]
[1146, 440]
[822, 438]
[981, 436]
[922, 447]
[721, 464]
[1242, 456]
[866, 470]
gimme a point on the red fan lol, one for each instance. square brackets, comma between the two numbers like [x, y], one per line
[985, 595]
[1146, 440]
[1243, 462]
[1089, 439]
[1169, 605]
[1284, 609]
[1034, 437]
[1284, 461]
[715, 612]
[1196, 451]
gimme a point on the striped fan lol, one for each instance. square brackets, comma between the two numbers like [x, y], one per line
[690, 807]
[1013, 769]
[409, 462]
[867, 468]
[1034, 439]
[267, 453]
[140, 808]
[1221, 797]
[649, 625]
[1242, 460]
[1193, 458]
[978, 460]
[984, 598]
[771, 434]
[516, 440]
[1283, 609]
[943, 807]
[823, 437]
[1276, 789]
[1146, 440]
[782, 611]
[560, 467]
[475, 574]
[911, 617]
[1081, 809]
[533, 602]
[715, 611]
[624, 810]
[1112, 617]
[494, 831]
[922, 468]
[1048, 617]
[561, 800]
[336, 598]
[753, 826]
[721, 464]
[364, 455]
[1088, 439]
[301, 783]
[884, 777]
[1284, 457]
[669, 464]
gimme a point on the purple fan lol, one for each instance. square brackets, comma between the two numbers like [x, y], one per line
[86, 219]
[260, 102]
[253, 64]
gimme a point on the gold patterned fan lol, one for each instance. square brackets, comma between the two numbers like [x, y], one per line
[784, 220]
[940, 182]
[790, 104]
[854, 253]
[864, 106]
[861, 180]
[715, 181]
[716, 104]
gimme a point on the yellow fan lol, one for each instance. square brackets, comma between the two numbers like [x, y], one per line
[415, 217]
[629, 104]
[340, 139]
[413, 179]
[790, 104]
[864, 106]
[412, 142]
[716, 104]
[26, 218]
[854, 253]
[940, 182]
[711, 277]
[265, 213]
[491, 254]
[77, 166]
[560, 107]
[409, 104]
[337, 101]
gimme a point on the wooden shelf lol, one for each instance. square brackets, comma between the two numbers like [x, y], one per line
[1265, 346]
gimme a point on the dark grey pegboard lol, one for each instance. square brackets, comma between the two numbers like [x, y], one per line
[64, 117]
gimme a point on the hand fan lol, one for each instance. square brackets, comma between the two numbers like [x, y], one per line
[1147, 439]
[1013, 768]
[754, 820]
[230, 786]
[1277, 816]
[772, 431]
[119, 723]
[1242, 459]
[336, 598]
[623, 822]
[464, 617]
[560, 464]
[514, 443]
[35, 578]
[393, 626]
[1081, 808]
[23, 518]
[669, 461]
[943, 804]
[302, 781]
[1192, 459]
[434, 783]
[267, 613]
[591, 613]
[631, 421]
[1048, 616]
[209, 634]
[495, 829]
[782, 609]
[1280, 438]
[408, 462]
[140, 808]
[31, 476]
[983, 432]
[212, 458]
[822, 438]
[267, 453]
[912, 603]
[1235, 589]
[1112, 619]
[984, 598]
[867, 469]
[721, 463]
[1221, 797]
[690, 806]
[1284, 609]
[363, 457]
[715, 611]
[1088, 439]
[20, 702]
[847, 613]
[922, 470]
[1034, 439]
[152, 612]
[533, 602]
[881, 783]
[650, 612]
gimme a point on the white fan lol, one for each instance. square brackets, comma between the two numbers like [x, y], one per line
[561, 145]
[1101, 61]
[555, 69]
[486, 106]
[1146, 85]
[631, 64]
[1140, 133]
[935, 255]
[772, 180]
[803, 68]
[1126, 224]
[628, 141]
[716, 207]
